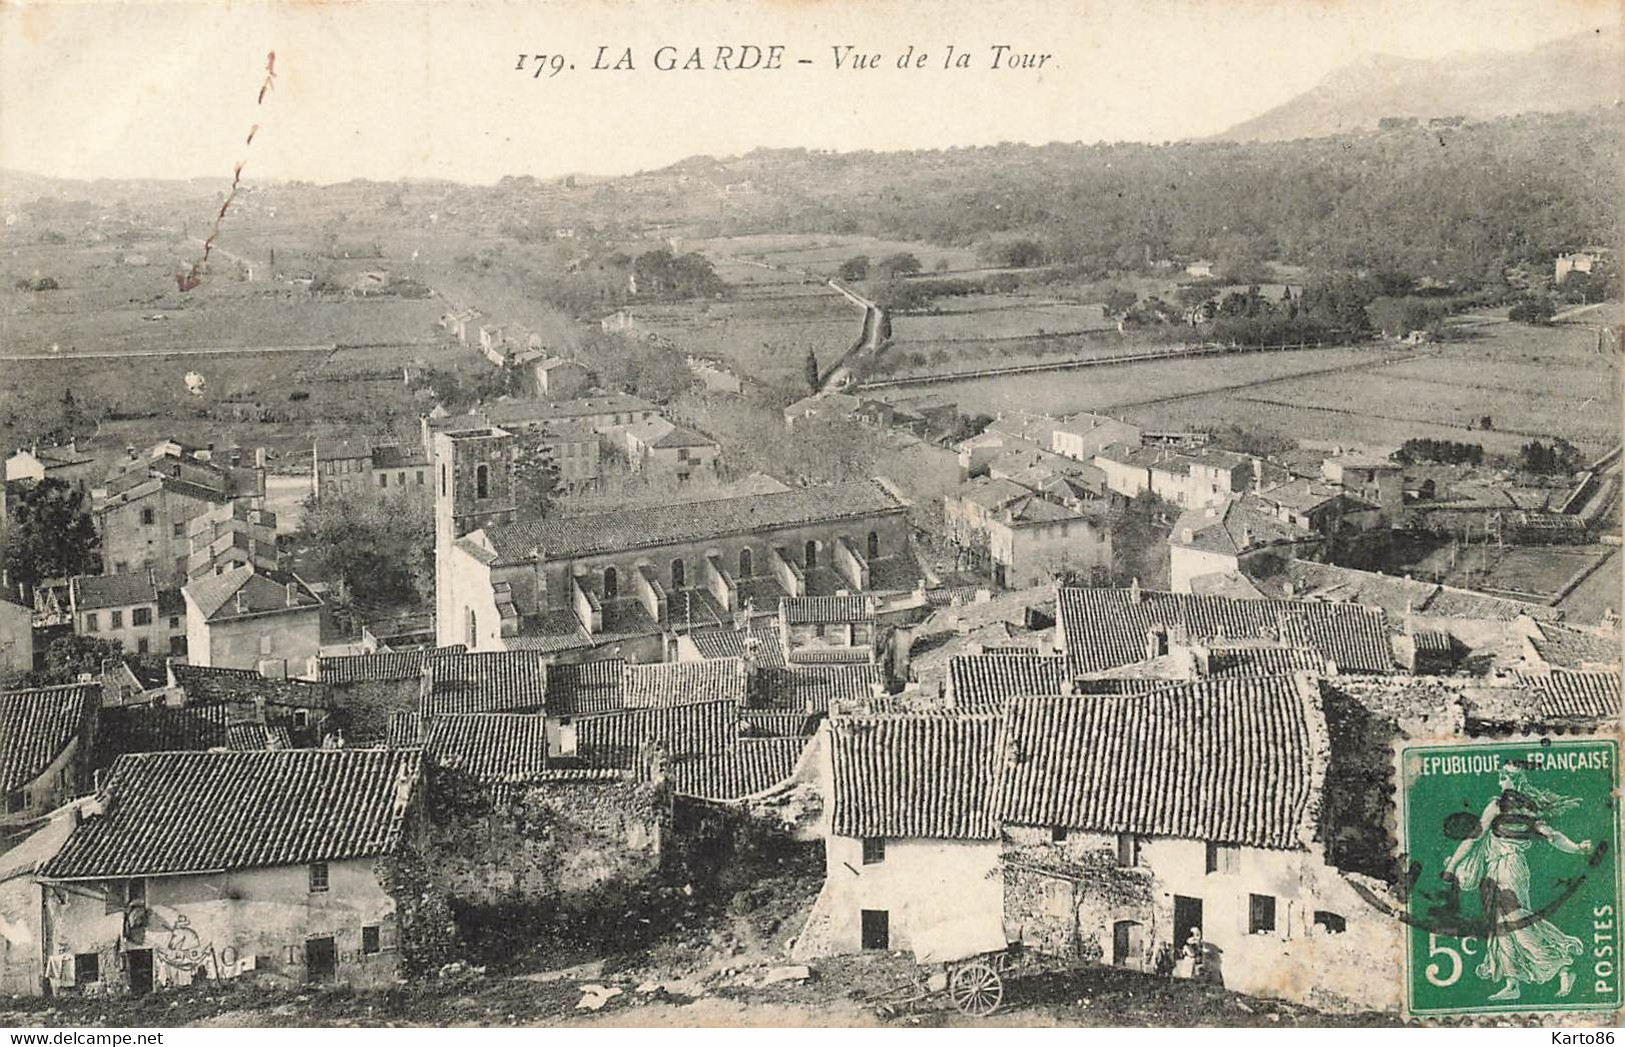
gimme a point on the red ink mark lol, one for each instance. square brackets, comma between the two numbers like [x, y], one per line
[193, 276]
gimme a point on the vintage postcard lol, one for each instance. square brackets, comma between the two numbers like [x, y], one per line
[731, 513]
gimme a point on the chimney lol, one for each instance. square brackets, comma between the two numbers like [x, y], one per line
[242, 603]
[293, 594]
[1134, 592]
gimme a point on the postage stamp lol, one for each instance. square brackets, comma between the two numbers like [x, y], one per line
[1513, 865]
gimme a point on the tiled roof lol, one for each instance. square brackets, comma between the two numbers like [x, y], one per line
[914, 776]
[382, 665]
[982, 682]
[813, 688]
[485, 682]
[831, 656]
[684, 683]
[1567, 648]
[1105, 628]
[211, 683]
[823, 610]
[1229, 761]
[613, 739]
[92, 592]
[1568, 695]
[519, 412]
[727, 642]
[1264, 661]
[751, 767]
[489, 747]
[158, 728]
[262, 592]
[561, 537]
[36, 725]
[1238, 525]
[246, 737]
[589, 687]
[199, 812]
[771, 723]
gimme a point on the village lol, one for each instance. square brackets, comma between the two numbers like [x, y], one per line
[932, 586]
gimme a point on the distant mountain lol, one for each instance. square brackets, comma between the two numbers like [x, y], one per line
[1576, 72]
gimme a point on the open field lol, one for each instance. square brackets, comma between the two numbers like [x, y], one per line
[995, 316]
[1529, 572]
[766, 335]
[1533, 383]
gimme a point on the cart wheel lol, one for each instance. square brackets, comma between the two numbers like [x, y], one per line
[977, 989]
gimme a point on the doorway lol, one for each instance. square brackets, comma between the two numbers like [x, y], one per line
[1127, 946]
[321, 960]
[876, 929]
[141, 973]
[1187, 917]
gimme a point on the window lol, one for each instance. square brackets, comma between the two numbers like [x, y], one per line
[135, 891]
[677, 572]
[180, 530]
[369, 940]
[177, 646]
[301, 717]
[141, 616]
[1057, 834]
[874, 850]
[1223, 858]
[482, 481]
[148, 518]
[612, 583]
[1330, 922]
[400, 478]
[318, 876]
[811, 553]
[1128, 850]
[143, 646]
[744, 563]
[442, 478]
[115, 619]
[420, 477]
[87, 968]
[874, 545]
[92, 625]
[174, 621]
[1260, 914]
[682, 454]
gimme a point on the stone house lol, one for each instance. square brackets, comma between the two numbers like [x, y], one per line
[46, 736]
[128, 608]
[559, 378]
[605, 414]
[1215, 539]
[1369, 478]
[22, 899]
[657, 447]
[16, 637]
[385, 468]
[223, 864]
[65, 462]
[1081, 436]
[827, 629]
[244, 617]
[1027, 538]
[144, 512]
[1190, 479]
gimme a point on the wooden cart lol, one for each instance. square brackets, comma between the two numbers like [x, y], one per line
[967, 965]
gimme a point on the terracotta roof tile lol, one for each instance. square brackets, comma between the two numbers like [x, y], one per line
[1567, 695]
[613, 739]
[751, 767]
[587, 687]
[485, 682]
[36, 725]
[914, 776]
[489, 747]
[1228, 761]
[684, 683]
[981, 682]
[823, 610]
[167, 813]
[814, 688]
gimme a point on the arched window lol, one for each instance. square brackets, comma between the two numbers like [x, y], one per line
[744, 563]
[874, 545]
[812, 553]
[482, 481]
[612, 583]
[677, 572]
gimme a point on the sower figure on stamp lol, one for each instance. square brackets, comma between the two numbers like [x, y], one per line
[1520, 946]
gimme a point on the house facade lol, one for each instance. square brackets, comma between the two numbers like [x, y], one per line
[218, 865]
[247, 618]
[128, 608]
[44, 761]
[656, 447]
[362, 466]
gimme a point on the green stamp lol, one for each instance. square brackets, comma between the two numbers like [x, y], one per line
[1512, 870]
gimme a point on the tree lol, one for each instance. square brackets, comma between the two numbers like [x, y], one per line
[536, 479]
[894, 265]
[1534, 311]
[854, 268]
[1120, 300]
[812, 370]
[375, 546]
[69, 656]
[52, 535]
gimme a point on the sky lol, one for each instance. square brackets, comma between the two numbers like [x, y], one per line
[388, 89]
